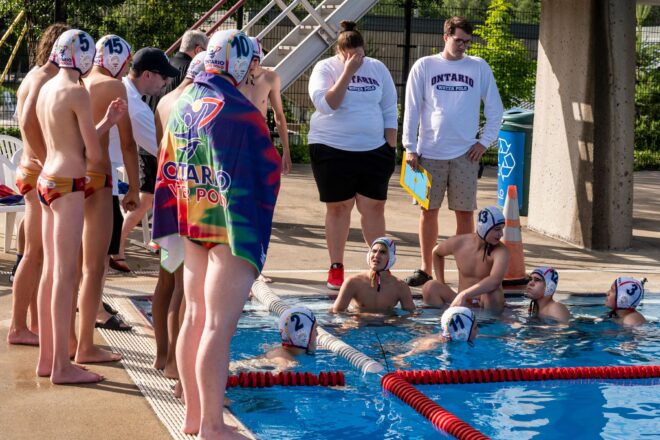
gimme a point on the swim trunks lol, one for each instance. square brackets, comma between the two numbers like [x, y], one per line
[96, 181]
[51, 188]
[218, 175]
[26, 179]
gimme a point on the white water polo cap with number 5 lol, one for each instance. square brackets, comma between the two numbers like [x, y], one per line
[229, 52]
[296, 327]
[457, 323]
[112, 53]
[629, 292]
[75, 50]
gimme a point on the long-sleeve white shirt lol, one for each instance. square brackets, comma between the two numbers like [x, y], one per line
[368, 108]
[443, 98]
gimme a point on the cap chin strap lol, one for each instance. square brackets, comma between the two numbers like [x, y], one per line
[533, 308]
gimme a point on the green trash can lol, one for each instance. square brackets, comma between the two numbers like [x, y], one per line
[514, 156]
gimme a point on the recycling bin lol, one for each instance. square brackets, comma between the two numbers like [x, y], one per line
[514, 156]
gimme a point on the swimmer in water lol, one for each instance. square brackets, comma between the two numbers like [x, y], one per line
[298, 329]
[458, 324]
[376, 290]
[541, 289]
[481, 260]
[624, 296]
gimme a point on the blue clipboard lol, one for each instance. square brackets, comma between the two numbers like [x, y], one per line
[417, 183]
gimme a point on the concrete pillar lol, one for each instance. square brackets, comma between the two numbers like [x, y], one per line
[582, 156]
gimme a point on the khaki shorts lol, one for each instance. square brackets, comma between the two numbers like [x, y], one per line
[456, 176]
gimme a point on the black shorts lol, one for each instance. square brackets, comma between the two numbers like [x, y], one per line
[340, 175]
[148, 171]
[117, 224]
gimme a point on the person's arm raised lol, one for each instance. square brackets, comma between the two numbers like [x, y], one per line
[335, 95]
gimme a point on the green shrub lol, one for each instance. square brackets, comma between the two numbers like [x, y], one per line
[11, 131]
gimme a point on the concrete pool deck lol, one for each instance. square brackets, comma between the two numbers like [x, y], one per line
[297, 262]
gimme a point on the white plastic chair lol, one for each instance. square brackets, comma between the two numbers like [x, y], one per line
[13, 213]
[9, 145]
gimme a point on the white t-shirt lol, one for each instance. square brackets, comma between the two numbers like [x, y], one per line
[443, 98]
[368, 108]
[144, 130]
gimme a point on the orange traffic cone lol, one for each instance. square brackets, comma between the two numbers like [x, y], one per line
[515, 274]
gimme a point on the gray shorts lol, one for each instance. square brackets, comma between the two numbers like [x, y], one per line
[458, 177]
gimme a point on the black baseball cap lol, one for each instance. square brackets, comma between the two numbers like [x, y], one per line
[154, 60]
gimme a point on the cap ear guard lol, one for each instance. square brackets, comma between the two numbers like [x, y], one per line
[296, 326]
[454, 323]
[628, 292]
[489, 218]
[75, 50]
[551, 278]
[112, 53]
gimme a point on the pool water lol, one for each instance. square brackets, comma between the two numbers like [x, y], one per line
[551, 409]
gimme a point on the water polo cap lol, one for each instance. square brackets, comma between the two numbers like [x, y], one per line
[229, 52]
[629, 292]
[196, 66]
[457, 323]
[258, 49]
[75, 50]
[489, 217]
[296, 325]
[389, 243]
[112, 53]
[551, 278]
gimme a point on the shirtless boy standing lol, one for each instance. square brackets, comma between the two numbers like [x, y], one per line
[26, 280]
[261, 87]
[481, 261]
[65, 116]
[375, 291]
[104, 84]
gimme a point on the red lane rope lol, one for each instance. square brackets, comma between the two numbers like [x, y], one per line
[528, 374]
[440, 417]
[399, 384]
[286, 378]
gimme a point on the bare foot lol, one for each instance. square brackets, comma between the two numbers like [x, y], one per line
[159, 362]
[22, 337]
[264, 278]
[226, 432]
[190, 426]
[96, 355]
[73, 374]
[178, 391]
[170, 371]
[44, 368]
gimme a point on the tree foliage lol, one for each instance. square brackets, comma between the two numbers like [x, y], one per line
[514, 70]
[647, 88]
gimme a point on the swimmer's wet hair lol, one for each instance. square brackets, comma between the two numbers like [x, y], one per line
[47, 41]
[349, 36]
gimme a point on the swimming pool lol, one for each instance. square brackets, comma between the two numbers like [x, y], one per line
[551, 409]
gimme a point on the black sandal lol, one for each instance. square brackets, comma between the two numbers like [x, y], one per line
[114, 322]
[108, 308]
[418, 278]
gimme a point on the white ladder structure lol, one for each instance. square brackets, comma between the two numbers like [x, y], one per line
[311, 36]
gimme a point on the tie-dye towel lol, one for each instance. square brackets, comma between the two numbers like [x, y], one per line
[218, 175]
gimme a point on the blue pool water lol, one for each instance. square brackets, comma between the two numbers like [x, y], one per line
[552, 409]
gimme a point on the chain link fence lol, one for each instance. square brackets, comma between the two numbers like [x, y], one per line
[395, 33]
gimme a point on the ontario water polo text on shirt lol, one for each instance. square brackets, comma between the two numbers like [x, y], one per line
[439, 80]
[363, 84]
[210, 186]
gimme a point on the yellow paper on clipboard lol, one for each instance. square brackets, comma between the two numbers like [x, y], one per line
[417, 183]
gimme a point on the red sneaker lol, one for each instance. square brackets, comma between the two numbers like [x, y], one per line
[335, 276]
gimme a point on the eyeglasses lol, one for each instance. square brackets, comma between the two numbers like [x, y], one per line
[462, 42]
